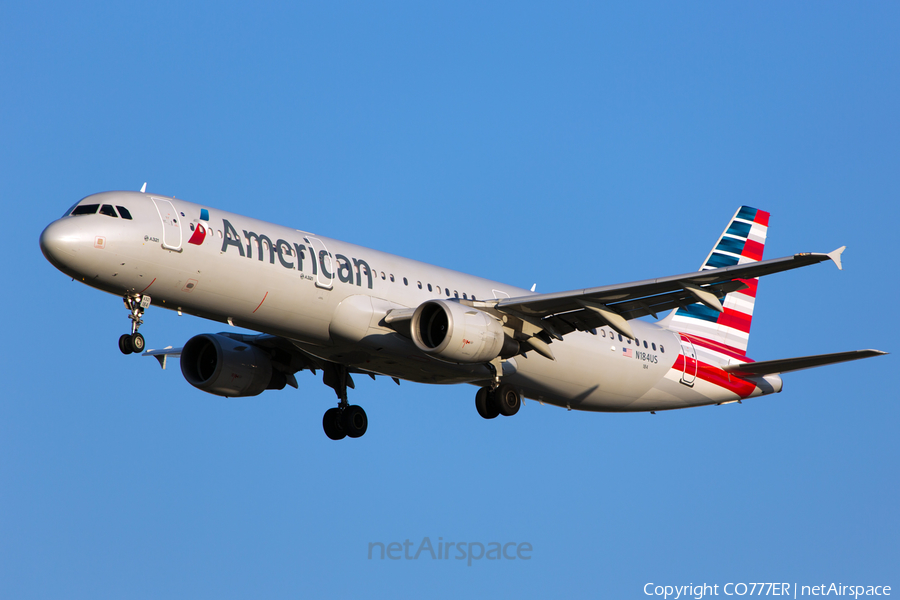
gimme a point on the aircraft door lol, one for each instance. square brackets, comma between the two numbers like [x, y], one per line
[171, 224]
[323, 263]
[690, 362]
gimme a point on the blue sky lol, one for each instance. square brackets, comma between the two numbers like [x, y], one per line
[568, 146]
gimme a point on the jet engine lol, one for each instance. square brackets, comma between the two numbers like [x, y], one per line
[457, 333]
[224, 366]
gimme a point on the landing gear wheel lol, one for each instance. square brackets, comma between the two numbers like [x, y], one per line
[354, 421]
[137, 342]
[125, 344]
[331, 423]
[485, 405]
[507, 399]
[134, 342]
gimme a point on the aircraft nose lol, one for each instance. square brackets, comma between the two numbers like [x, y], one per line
[60, 241]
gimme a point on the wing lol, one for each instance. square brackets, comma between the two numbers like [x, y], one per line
[163, 354]
[287, 357]
[784, 365]
[580, 310]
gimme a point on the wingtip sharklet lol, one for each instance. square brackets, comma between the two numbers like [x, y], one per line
[835, 256]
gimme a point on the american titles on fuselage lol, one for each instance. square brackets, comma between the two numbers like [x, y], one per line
[293, 256]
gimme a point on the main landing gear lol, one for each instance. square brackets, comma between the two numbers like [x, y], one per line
[345, 420]
[504, 400]
[134, 342]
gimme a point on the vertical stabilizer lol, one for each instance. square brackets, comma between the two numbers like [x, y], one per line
[729, 331]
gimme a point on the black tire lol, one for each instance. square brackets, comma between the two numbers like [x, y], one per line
[354, 421]
[508, 400]
[331, 423]
[125, 344]
[137, 343]
[485, 405]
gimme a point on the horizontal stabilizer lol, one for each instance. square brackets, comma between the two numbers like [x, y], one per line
[771, 367]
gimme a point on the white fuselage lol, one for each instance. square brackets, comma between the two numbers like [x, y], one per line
[330, 298]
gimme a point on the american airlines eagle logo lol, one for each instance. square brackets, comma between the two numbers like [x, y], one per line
[199, 235]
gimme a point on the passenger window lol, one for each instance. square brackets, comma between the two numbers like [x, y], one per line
[420, 284]
[392, 278]
[382, 276]
[603, 332]
[465, 297]
[438, 289]
[123, 212]
[620, 337]
[405, 281]
[629, 341]
[645, 343]
[86, 209]
[430, 289]
[448, 292]
[654, 346]
[455, 294]
[661, 349]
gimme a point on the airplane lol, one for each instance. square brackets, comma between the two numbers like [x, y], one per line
[321, 304]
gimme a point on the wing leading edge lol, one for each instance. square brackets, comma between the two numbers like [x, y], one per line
[581, 310]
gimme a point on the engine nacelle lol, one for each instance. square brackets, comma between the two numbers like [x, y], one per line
[457, 333]
[220, 365]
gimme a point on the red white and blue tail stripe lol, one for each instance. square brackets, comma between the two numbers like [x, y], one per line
[728, 333]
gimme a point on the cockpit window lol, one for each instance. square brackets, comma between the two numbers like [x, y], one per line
[109, 211]
[85, 209]
[71, 208]
[123, 212]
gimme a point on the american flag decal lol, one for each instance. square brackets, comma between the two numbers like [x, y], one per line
[626, 352]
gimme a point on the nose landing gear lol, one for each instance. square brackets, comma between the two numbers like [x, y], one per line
[134, 342]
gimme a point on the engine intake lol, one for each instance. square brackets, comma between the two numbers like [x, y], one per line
[457, 333]
[223, 366]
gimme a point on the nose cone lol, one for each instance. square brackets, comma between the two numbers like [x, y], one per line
[60, 242]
